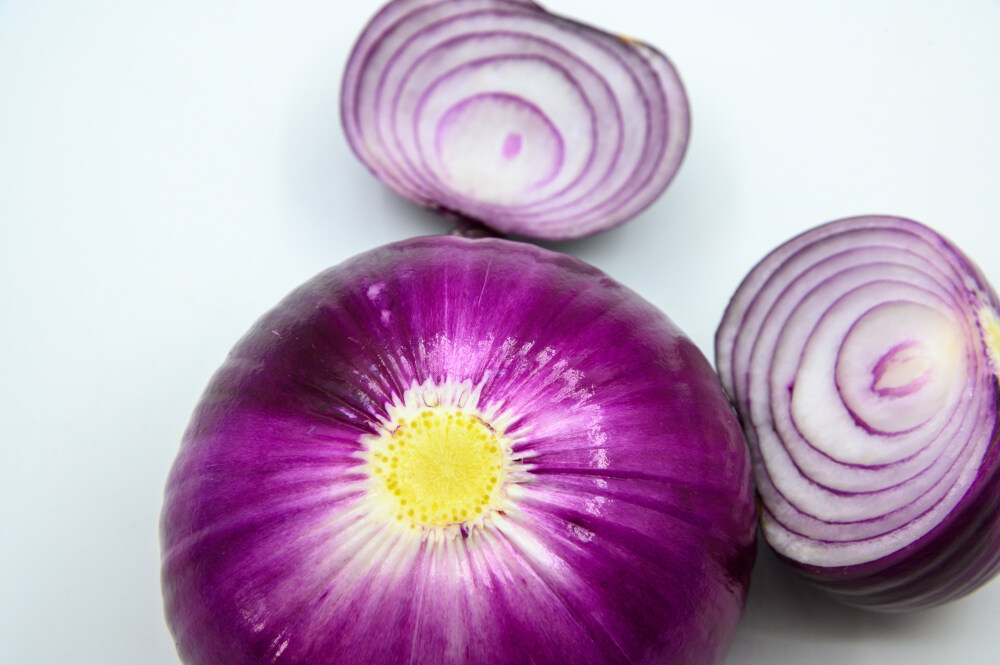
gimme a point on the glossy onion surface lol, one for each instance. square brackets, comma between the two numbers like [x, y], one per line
[862, 359]
[460, 452]
[498, 111]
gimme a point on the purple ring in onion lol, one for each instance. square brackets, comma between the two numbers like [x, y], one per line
[498, 111]
[862, 357]
[449, 451]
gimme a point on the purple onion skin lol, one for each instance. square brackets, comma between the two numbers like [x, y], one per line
[637, 489]
[962, 551]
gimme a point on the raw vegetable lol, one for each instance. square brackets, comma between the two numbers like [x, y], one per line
[528, 122]
[449, 451]
[862, 357]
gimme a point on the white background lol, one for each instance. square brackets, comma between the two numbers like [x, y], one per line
[169, 170]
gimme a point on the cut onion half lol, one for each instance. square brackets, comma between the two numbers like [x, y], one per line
[862, 357]
[498, 111]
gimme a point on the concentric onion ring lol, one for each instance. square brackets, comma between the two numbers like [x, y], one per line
[862, 359]
[498, 111]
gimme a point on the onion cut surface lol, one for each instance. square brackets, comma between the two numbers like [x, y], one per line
[862, 359]
[501, 112]
[449, 451]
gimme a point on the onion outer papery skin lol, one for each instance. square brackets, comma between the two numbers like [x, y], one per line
[862, 358]
[624, 531]
[595, 124]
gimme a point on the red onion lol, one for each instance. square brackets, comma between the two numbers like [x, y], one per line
[449, 451]
[528, 122]
[862, 359]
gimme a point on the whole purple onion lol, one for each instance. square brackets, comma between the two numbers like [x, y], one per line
[449, 451]
[862, 357]
[499, 111]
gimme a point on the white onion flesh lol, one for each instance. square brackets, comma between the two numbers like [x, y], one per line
[498, 111]
[861, 357]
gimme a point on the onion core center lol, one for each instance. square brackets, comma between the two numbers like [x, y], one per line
[443, 466]
[899, 365]
[901, 371]
[512, 145]
[497, 146]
